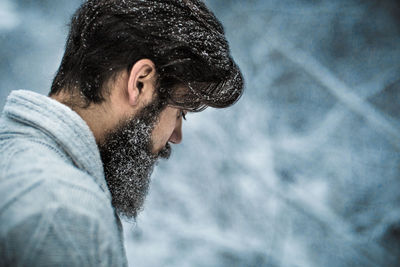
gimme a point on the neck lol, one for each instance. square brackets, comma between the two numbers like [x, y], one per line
[100, 118]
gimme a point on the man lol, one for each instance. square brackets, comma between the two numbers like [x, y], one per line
[75, 161]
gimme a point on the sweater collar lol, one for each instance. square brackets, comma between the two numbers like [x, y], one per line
[63, 125]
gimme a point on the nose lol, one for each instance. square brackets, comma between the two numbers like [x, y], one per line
[176, 136]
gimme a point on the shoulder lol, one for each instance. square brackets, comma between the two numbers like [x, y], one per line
[61, 236]
[34, 178]
[54, 214]
[51, 212]
[34, 182]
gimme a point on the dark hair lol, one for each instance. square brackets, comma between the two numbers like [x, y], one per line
[183, 38]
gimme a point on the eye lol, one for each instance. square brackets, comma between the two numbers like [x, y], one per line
[182, 114]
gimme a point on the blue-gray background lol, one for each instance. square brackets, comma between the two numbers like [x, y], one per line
[302, 171]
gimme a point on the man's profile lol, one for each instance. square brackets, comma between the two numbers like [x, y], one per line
[72, 163]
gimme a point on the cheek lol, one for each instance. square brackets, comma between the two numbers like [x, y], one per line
[161, 132]
[163, 129]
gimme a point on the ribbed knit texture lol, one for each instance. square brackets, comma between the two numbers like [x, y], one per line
[55, 207]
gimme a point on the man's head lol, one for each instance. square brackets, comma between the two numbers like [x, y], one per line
[131, 69]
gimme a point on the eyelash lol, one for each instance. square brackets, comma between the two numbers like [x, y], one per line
[182, 114]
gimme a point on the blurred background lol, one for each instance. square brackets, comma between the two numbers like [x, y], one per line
[303, 171]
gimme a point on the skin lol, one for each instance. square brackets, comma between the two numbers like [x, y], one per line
[126, 100]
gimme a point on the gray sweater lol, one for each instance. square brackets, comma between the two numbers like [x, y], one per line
[55, 207]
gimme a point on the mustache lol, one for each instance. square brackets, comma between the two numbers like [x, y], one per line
[165, 153]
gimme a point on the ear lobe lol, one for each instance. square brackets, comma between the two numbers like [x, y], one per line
[133, 96]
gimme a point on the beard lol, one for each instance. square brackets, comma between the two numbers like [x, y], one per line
[128, 160]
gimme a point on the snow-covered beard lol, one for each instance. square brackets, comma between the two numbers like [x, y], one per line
[128, 159]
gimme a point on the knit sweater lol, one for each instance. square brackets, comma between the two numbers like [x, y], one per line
[55, 206]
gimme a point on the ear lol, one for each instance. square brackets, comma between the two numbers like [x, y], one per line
[141, 81]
